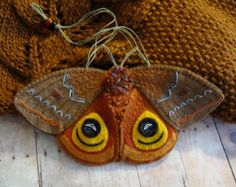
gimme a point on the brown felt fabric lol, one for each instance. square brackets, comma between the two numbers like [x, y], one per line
[190, 97]
[33, 106]
[198, 35]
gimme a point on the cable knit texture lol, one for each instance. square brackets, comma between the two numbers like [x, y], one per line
[199, 35]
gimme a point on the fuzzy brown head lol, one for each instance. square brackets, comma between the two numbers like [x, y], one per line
[118, 81]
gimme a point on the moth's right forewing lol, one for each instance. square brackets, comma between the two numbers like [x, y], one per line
[179, 95]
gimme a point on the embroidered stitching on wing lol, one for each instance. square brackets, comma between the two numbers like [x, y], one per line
[187, 102]
[47, 103]
[176, 80]
[71, 89]
[38, 113]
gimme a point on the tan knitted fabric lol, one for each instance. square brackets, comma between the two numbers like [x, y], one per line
[199, 35]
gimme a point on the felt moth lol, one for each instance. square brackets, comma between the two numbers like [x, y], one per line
[129, 114]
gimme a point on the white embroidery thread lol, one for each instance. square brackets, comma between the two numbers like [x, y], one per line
[71, 89]
[188, 101]
[32, 92]
[170, 88]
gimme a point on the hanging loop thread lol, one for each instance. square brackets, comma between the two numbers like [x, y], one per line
[49, 23]
[105, 35]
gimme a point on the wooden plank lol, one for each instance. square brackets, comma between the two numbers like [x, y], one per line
[118, 174]
[18, 163]
[58, 169]
[227, 132]
[167, 172]
[204, 157]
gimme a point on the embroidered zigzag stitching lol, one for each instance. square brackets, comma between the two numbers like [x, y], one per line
[47, 103]
[71, 89]
[170, 88]
[187, 102]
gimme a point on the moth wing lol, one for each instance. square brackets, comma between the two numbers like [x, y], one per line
[55, 101]
[180, 96]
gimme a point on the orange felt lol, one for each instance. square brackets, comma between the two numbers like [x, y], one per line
[99, 106]
[137, 105]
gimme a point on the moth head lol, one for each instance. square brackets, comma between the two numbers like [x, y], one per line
[118, 81]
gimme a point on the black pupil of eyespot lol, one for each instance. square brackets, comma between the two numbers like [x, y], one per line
[148, 127]
[91, 128]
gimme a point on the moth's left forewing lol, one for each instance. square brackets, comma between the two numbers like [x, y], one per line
[180, 96]
[55, 101]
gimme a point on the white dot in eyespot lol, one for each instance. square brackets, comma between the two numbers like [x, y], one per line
[147, 126]
[91, 126]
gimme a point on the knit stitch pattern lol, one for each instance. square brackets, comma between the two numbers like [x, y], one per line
[199, 35]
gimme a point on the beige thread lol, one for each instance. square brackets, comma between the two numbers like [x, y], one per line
[71, 89]
[188, 101]
[32, 92]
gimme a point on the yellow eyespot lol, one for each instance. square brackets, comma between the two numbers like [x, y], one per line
[149, 132]
[90, 134]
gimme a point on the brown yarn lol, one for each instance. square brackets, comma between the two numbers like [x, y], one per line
[199, 35]
[9, 85]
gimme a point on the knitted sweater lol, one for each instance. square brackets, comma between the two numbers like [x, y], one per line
[199, 35]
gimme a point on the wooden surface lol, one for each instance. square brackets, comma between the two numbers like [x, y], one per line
[204, 156]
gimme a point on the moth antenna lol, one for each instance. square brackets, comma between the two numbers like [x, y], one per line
[130, 36]
[110, 55]
[96, 46]
[128, 55]
[92, 54]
